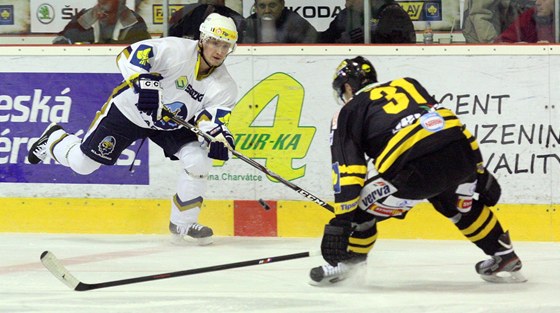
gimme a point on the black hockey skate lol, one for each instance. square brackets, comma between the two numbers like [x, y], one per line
[504, 266]
[38, 151]
[202, 234]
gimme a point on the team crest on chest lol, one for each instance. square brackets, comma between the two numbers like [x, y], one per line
[181, 83]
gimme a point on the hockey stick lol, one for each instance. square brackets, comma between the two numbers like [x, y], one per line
[56, 267]
[207, 137]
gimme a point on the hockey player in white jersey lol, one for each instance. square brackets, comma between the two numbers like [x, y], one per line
[186, 77]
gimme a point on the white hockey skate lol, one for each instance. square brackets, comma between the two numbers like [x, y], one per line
[38, 151]
[202, 234]
[504, 266]
[327, 274]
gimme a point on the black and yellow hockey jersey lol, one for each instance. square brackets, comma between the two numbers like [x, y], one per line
[391, 123]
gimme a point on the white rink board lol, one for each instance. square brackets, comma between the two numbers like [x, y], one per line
[519, 93]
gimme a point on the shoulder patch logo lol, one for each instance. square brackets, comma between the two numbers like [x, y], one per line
[142, 57]
[222, 117]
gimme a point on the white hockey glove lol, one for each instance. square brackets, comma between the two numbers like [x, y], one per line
[217, 149]
[150, 95]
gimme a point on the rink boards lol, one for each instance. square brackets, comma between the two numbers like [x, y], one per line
[506, 95]
[248, 218]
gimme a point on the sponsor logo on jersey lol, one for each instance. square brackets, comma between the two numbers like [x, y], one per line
[377, 191]
[336, 178]
[106, 147]
[348, 206]
[386, 211]
[181, 83]
[141, 57]
[432, 122]
[194, 94]
[464, 204]
[406, 121]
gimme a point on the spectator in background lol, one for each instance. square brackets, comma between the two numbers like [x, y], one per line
[272, 22]
[484, 20]
[110, 22]
[188, 23]
[179, 14]
[389, 24]
[535, 25]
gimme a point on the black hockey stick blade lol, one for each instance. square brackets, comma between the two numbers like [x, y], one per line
[170, 116]
[56, 267]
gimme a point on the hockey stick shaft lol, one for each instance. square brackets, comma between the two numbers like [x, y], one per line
[251, 162]
[54, 265]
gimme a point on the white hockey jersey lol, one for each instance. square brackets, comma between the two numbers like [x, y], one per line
[209, 99]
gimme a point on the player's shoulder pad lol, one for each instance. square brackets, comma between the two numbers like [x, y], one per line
[145, 54]
[223, 89]
[412, 80]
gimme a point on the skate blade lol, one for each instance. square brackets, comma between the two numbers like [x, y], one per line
[179, 240]
[354, 276]
[326, 282]
[505, 278]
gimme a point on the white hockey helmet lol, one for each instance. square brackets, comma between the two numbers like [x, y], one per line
[219, 27]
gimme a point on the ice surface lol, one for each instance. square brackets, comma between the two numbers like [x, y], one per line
[403, 276]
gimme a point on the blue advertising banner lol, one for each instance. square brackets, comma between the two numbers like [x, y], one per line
[29, 102]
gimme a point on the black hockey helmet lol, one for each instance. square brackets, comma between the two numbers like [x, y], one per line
[357, 72]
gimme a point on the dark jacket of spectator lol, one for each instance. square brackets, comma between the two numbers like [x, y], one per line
[85, 27]
[529, 28]
[390, 24]
[289, 28]
[188, 26]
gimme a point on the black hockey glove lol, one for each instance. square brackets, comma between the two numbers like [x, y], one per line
[334, 245]
[488, 189]
[149, 92]
[217, 149]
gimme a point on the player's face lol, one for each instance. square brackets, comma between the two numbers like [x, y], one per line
[215, 51]
[107, 11]
[269, 7]
[544, 7]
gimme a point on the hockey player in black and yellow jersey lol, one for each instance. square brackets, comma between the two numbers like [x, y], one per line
[418, 151]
